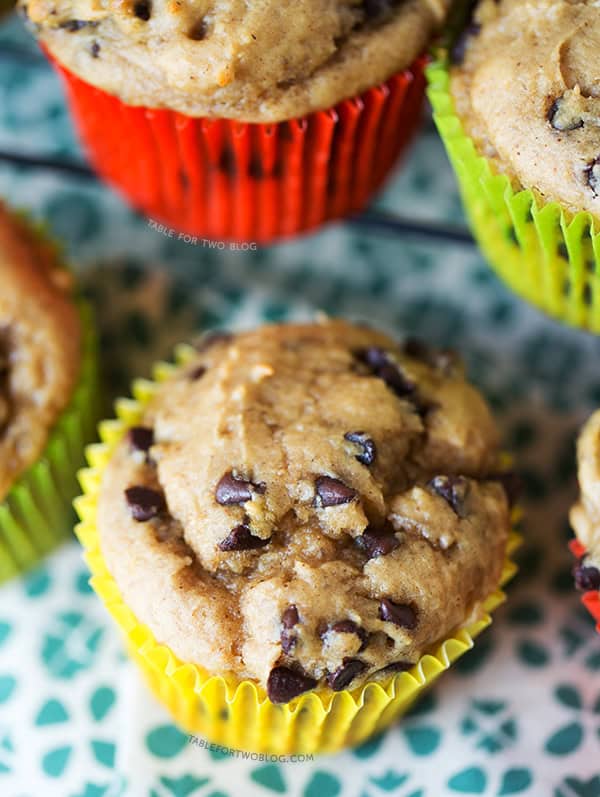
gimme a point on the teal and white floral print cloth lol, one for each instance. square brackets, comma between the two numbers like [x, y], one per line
[519, 715]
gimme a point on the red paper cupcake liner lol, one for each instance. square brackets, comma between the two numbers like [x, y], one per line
[233, 181]
[591, 600]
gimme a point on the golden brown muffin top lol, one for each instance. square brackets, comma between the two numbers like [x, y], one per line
[253, 60]
[307, 504]
[39, 346]
[528, 91]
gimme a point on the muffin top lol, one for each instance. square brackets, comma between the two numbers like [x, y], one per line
[39, 346]
[253, 60]
[585, 515]
[528, 92]
[307, 504]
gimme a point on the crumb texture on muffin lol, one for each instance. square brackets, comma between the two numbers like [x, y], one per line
[253, 60]
[585, 515]
[39, 346]
[307, 504]
[527, 89]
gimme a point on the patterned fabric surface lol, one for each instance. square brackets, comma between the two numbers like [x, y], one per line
[518, 715]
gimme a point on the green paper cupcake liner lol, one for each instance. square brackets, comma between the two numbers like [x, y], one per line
[546, 254]
[37, 514]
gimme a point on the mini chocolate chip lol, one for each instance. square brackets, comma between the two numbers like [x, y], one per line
[95, 50]
[369, 450]
[198, 31]
[196, 373]
[241, 539]
[141, 438]
[288, 641]
[397, 666]
[284, 684]
[377, 543]
[290, 617]
[379, 9]
[144, 503]
[382, 367]
[400, 614]
[560, 119]
[143, 10]
[587, 577]
[231, 490]
[332, 492]
[73, 25]
[350, 627]
[591, 174]
[452, 489]
[345, 673]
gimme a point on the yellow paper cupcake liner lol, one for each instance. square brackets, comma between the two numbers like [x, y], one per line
[235, 714]
[37, 514]
[546, 254]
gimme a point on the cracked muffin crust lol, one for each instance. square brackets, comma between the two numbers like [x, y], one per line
[527, 89]
[307, 505]
[257, 61]
[585, 515]
[39, 346]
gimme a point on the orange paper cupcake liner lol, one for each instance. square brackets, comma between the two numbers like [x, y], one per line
[591, 600]
[233, 181]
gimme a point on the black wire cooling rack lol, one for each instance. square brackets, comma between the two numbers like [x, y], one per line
[373, 220]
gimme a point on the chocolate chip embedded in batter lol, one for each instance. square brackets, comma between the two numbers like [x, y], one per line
[377, 543]
[242, 539]
[289, 619]
[198, 31]
[332, 492]
[143, 10]
[144, 503]
[400, 614]
[378, 10]
[396, 666]
[591, 175]
[369, 450]
[453, 489]
[562, 118]
[284, 684]
[95, 50]
[587, 577]
[232, 491]
[196, 373]
[350, 627]
[384, 368]
[73, 25]
[458, 50]
[345, 673]
[141, 438]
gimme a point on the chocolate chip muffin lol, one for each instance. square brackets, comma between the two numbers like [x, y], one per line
[585, 515]
[526, 89]
[258, 61]
[39, 346]
[307, 505]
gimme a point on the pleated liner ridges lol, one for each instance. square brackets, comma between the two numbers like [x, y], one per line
[547, 255]
[222, 709]
[37, 513]
[589, 599]
[228, 180]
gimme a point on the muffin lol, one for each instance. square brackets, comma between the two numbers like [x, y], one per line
[585, 516]
[242, 120]
[516, 103]
[42, 347]
[279, 524]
